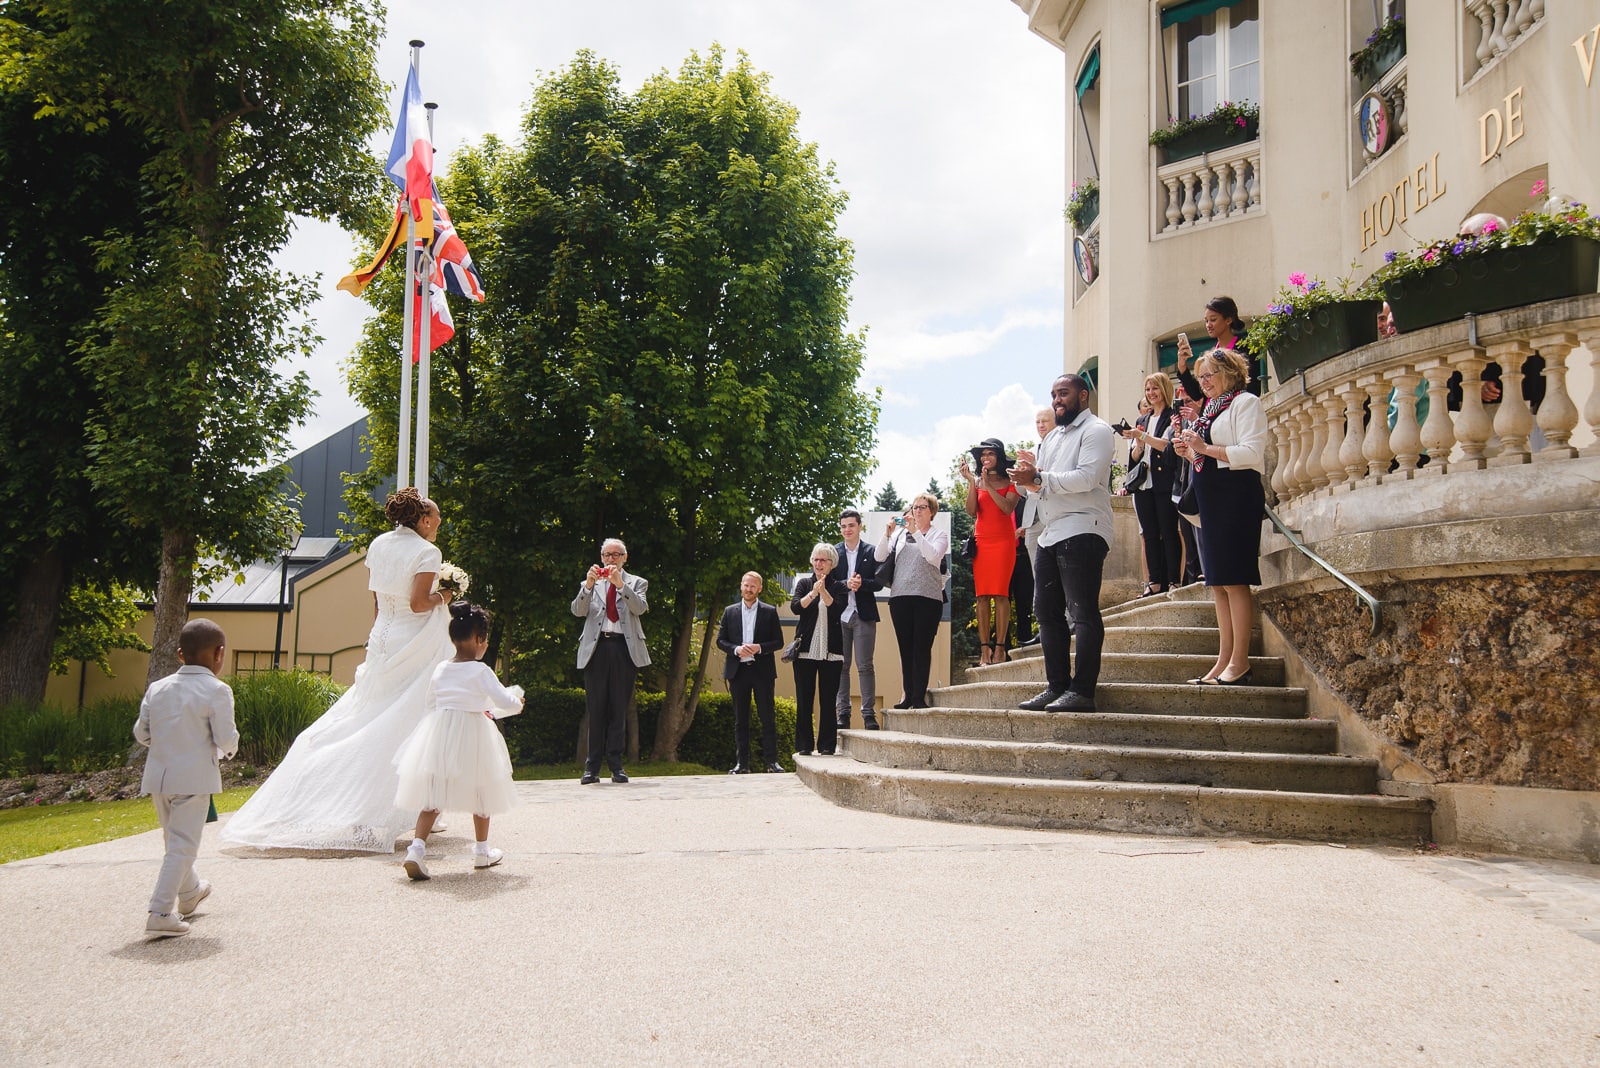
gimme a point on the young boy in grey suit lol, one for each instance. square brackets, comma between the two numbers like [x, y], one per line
[187, 721]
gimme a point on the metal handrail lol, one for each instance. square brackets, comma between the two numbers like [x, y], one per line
[1366, 598]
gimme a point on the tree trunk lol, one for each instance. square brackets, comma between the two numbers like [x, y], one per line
[27, 641]
[172, 601]
[705, 658]
[675, 713]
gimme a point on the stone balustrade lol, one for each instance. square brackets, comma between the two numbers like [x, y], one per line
[1499, 24]
[1331, 425]
[1209, 188]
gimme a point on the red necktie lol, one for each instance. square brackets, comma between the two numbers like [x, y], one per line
[611, 602]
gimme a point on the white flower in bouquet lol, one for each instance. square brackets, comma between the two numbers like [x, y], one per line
[454, 579]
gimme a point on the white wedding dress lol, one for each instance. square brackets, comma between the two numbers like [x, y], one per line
[336, 786]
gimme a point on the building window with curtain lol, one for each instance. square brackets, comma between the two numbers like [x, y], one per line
[1214, 54]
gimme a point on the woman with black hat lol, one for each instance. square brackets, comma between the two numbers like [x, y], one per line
[991, 499]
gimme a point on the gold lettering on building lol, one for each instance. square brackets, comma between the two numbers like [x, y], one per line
[1508, 128]
[1421, 191]
[1422, 187]
[1369, 235]
[1433, 178]
[1586, 54]
[1385, 201]
[1400, 196]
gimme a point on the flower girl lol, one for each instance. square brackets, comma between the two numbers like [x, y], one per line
[456, 758]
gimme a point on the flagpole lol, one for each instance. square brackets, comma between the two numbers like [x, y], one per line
[425, 357]
[403, 472]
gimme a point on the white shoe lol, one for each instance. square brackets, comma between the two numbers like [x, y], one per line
[165, 925]
[416, 867]
[187, 903]
[487, 860]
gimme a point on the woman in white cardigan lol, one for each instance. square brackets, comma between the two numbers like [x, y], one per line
[1228, 447]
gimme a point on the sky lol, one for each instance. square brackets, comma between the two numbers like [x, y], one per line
[945, 122]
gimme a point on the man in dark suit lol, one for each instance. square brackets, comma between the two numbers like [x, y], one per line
[611, 651]
[749, 635]
[858, 570]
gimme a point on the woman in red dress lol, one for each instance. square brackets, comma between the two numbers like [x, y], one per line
[991, 499]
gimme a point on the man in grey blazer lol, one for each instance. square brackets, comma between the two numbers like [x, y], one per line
[187, 721]
[610, 653]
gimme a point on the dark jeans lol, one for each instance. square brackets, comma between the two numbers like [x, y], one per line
[608, 687]
[808, 695]
[1066, 582]
[916, 624]
[1022, 594]
[747, 683]
[1158, 525]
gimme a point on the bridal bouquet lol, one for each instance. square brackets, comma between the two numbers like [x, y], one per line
[454, 579]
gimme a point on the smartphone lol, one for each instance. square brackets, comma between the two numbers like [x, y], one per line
[1183, 339]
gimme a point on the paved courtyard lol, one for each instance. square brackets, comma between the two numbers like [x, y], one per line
[742, 920]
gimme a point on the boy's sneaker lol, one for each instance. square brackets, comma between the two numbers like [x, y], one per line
[416, 867]
[165, 925]
[187, 903]
[488, 858]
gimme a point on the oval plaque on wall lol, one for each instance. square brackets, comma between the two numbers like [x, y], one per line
[1083, 256]
[1374, 124]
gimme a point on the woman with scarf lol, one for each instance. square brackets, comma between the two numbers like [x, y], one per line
[1227, 448]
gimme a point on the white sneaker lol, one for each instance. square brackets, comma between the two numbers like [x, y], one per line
[487, 860]
[187, 903]
[416, 867]
[165, 925]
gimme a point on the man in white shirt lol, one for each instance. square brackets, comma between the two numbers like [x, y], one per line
[1072, 477]
[858, 569]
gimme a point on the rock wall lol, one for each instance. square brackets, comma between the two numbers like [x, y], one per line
[1481, 679]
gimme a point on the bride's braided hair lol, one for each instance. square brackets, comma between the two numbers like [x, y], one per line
[405, 508]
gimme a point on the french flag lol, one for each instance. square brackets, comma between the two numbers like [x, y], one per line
[411, 156]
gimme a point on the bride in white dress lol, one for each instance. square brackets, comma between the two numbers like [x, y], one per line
[336, 786]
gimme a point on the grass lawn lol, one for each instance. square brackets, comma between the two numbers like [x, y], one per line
[39, 829]
[635, 771]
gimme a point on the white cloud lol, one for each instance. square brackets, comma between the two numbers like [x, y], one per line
[890, 350]
[909, 459]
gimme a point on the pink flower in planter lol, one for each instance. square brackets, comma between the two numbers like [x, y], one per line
[1298, 278]
[1489, 227]
[1429, 256]
[1538, 188]
[1237, 122]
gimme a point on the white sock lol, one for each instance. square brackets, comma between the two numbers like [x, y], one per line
[419, 845]
[480, 848]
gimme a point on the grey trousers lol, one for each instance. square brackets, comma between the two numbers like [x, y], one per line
[183, 819]
[860, 643]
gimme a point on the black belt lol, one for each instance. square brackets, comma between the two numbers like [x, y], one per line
[611, 634]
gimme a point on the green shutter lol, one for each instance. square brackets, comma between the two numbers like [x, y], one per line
[1090, 73]
[1167, 353]
[1191, 9]
[1090, 372]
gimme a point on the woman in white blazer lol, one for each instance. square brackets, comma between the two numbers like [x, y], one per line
[1227, 447]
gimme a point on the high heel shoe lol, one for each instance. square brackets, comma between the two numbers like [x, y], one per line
[1203, 680]
[1242, 680]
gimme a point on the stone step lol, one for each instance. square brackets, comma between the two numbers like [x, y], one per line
[1124, 807]
[1298, 772]
[1236, 734]
[1157, 612]
[1152, 699]
[1132, 667]
[1197, 641]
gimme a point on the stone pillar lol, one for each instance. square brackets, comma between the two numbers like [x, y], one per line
[1333, 417]
[1280, 434]
[1355, 464]
[1472, 422]
[1513, 422]
[1376, 445]
[1437, 436]
[1319, 444]
[1309, 465]
[1558, 416]
[1591, 407]
[1406, 438]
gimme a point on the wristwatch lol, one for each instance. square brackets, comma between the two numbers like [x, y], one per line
[1038, 479]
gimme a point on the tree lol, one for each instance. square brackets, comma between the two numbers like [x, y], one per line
[252, 112]
[71, 187]
[963, 599]
[662, 357]
[889, 500]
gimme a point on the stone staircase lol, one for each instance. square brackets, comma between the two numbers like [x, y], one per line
[1158, 756]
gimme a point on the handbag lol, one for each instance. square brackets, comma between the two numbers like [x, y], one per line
[885, 572]
[790, 651]
[1188, 506]
[969, 547]
[1136, 479]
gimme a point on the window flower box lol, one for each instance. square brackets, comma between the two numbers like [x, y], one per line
[1083, 204]
[1226, 125]
[1384, 48]
[1322, 333]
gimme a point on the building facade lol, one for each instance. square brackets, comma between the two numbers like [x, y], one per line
[1487, 98]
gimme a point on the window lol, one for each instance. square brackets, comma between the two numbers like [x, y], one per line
[249, 662]
[316, 663]
[1214, 54]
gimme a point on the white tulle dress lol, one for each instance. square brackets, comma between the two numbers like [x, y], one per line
[456, 759]
[336, 787]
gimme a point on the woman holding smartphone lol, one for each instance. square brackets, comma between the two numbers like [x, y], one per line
[916, 595]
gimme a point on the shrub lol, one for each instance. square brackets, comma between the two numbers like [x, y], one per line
[41, 739]
[271, 708]
[547, 730]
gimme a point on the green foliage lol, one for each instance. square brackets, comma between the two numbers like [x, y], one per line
[1297, 300]
[1078, 202]
[662, 356]
[1236, 119]
[95, 619]
[889, 500]
[710, 737]
[1362, 60]
[963, 600]
[271, 708]
[546, 731]
[35, 830]
[44, 739]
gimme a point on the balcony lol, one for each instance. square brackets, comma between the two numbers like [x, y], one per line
[1491, 28]
[1219, 186]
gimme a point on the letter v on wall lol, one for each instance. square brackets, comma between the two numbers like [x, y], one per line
[1586, 54]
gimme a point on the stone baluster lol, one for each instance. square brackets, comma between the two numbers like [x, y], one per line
[1280, 435]
[1203, 214]
[1241, 195]
[1485, 16]
[1406, 437]
[1188, 199]
[1296, 474]
[1473, 427]
[1514, 421]
[1174, 203]
[1537, 8]
[1256, 190]
[1375, 447]
[1333, 420]
[1558, 416]
[1438, 438]
[1498, 41]
[1524, 20]
[1319, 445]
[1310, 464]
[1354, 463]
[1397, 107]
[1591, 406]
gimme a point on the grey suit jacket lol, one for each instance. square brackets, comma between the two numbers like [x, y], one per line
[590, 606]
[185, 719]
